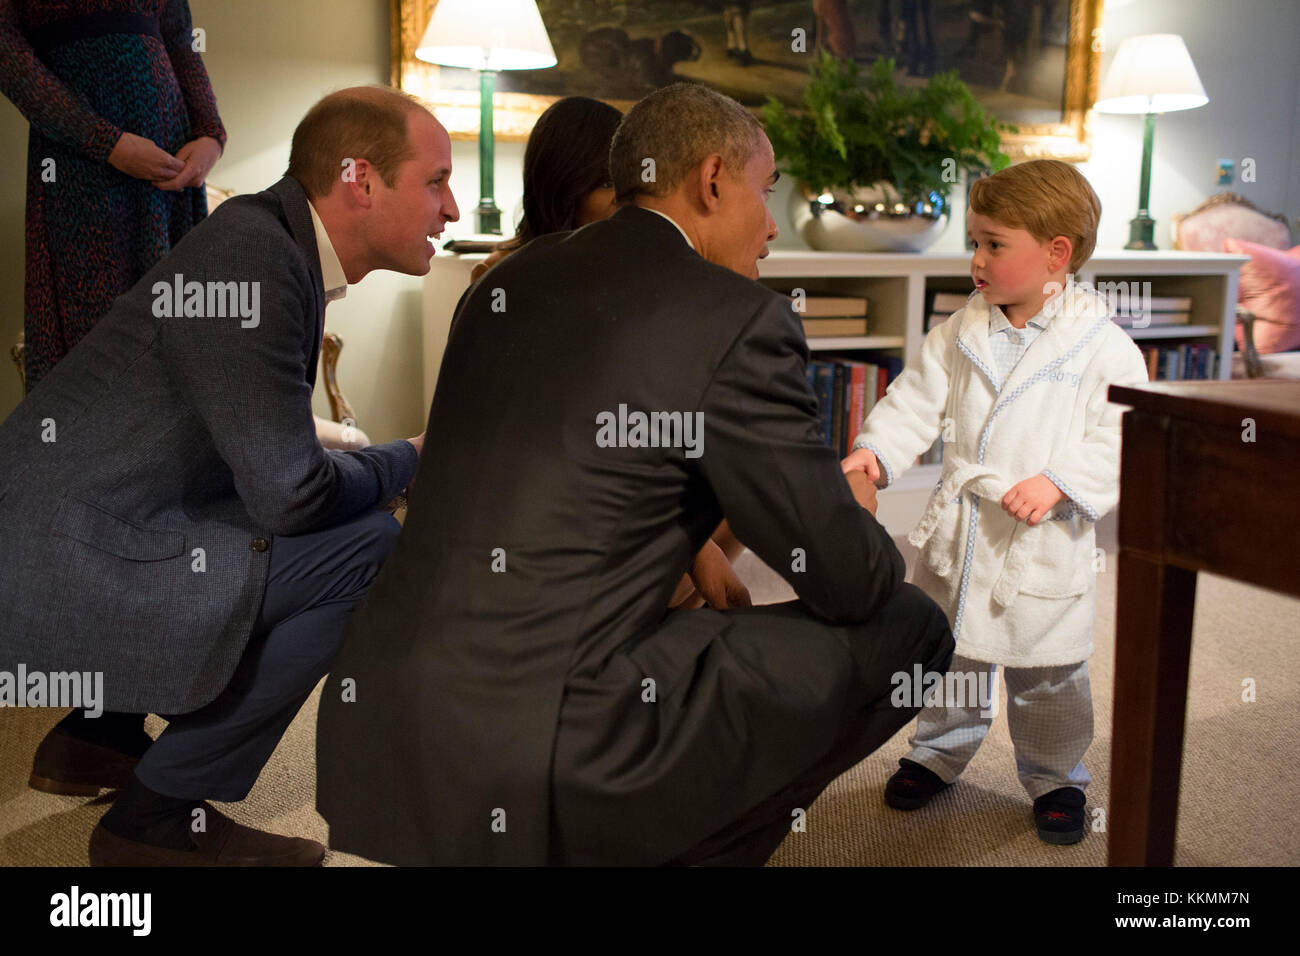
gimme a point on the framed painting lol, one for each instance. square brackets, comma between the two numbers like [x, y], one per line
[1034, 63]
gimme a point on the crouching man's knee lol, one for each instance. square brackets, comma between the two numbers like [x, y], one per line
[917, 613]
[371, 539]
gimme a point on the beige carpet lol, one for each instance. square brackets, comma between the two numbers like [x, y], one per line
[1239, 776]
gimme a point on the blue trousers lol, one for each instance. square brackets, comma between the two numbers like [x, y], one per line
[314, 582]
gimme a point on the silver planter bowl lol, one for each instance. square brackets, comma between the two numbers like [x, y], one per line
[866, 220]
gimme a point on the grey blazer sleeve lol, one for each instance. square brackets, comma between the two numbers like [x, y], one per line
[780, 487]
[249, 386]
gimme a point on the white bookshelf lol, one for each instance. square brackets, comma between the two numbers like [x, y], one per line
[896, 284]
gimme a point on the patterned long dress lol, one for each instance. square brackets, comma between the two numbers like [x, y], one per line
[83, 72]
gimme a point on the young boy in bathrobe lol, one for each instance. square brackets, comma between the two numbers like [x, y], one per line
[1015, 383]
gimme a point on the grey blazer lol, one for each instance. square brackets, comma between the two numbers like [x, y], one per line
[143, 480]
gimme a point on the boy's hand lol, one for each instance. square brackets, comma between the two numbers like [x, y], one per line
[863, 490]
[1031, 499]
[864, 461]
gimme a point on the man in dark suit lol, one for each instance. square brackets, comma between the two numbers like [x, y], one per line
[171, 520]
[513, 689]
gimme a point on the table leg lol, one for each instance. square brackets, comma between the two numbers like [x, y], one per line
[1153, 642]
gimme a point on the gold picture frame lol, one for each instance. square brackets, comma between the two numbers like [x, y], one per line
[515, 113]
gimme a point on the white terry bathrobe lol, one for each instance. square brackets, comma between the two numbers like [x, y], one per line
[1015, 595]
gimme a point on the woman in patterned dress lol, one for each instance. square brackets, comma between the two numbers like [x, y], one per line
[124, 130]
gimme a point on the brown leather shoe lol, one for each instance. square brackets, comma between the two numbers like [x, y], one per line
[64, 764]
[226, 843]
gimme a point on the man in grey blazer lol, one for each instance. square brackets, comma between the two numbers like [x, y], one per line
[607, 396]
[171, 521]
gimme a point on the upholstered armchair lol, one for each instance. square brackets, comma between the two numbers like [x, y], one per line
[1215, 226]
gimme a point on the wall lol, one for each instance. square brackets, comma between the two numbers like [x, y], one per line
[269, 61]
[1245, 55]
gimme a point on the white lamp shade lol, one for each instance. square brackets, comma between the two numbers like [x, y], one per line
[1151, 74]
[487, 35]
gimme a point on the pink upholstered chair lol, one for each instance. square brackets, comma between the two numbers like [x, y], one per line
[1218, 225]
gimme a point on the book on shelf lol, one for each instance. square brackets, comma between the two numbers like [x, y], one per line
[847, 388]
[942, 306]
[813, 328]
[1130, 295]
[837, 404]
[830, 307]
[1151, 319]
[1187, 361]
[949, 302]
[1169, 303]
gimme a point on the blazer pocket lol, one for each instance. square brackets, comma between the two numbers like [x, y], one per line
[104, 531]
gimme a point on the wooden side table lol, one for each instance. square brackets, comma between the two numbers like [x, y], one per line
[1196, 494]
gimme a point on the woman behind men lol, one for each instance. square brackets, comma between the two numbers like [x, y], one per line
[567, 185]
[124, 130]
[566, 173]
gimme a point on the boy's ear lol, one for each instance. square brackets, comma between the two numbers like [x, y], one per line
[1058, 253]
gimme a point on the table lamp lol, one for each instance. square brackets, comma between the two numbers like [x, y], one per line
[487, 35]
[1150, 74]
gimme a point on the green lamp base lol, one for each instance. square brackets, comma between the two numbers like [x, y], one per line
[488, 217]
[1141, 232]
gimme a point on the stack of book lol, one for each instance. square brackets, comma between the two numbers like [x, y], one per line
[943, 305]
[1194, 360]
[825, 315]
[1150, 311]
[847, 389]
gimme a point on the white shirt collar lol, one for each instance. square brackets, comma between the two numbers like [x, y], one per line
[998, 321]
[334, 281]
[674, 222]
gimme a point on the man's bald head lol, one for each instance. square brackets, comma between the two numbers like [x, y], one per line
[362, 122]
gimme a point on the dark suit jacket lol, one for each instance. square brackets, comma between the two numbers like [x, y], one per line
[142, 479]
[530, 584]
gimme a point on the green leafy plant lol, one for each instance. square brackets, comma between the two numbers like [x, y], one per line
[857, 130]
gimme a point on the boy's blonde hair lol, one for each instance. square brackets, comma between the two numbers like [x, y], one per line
[1046, 198]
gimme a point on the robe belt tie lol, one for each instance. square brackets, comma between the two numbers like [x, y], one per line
[983, 482]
